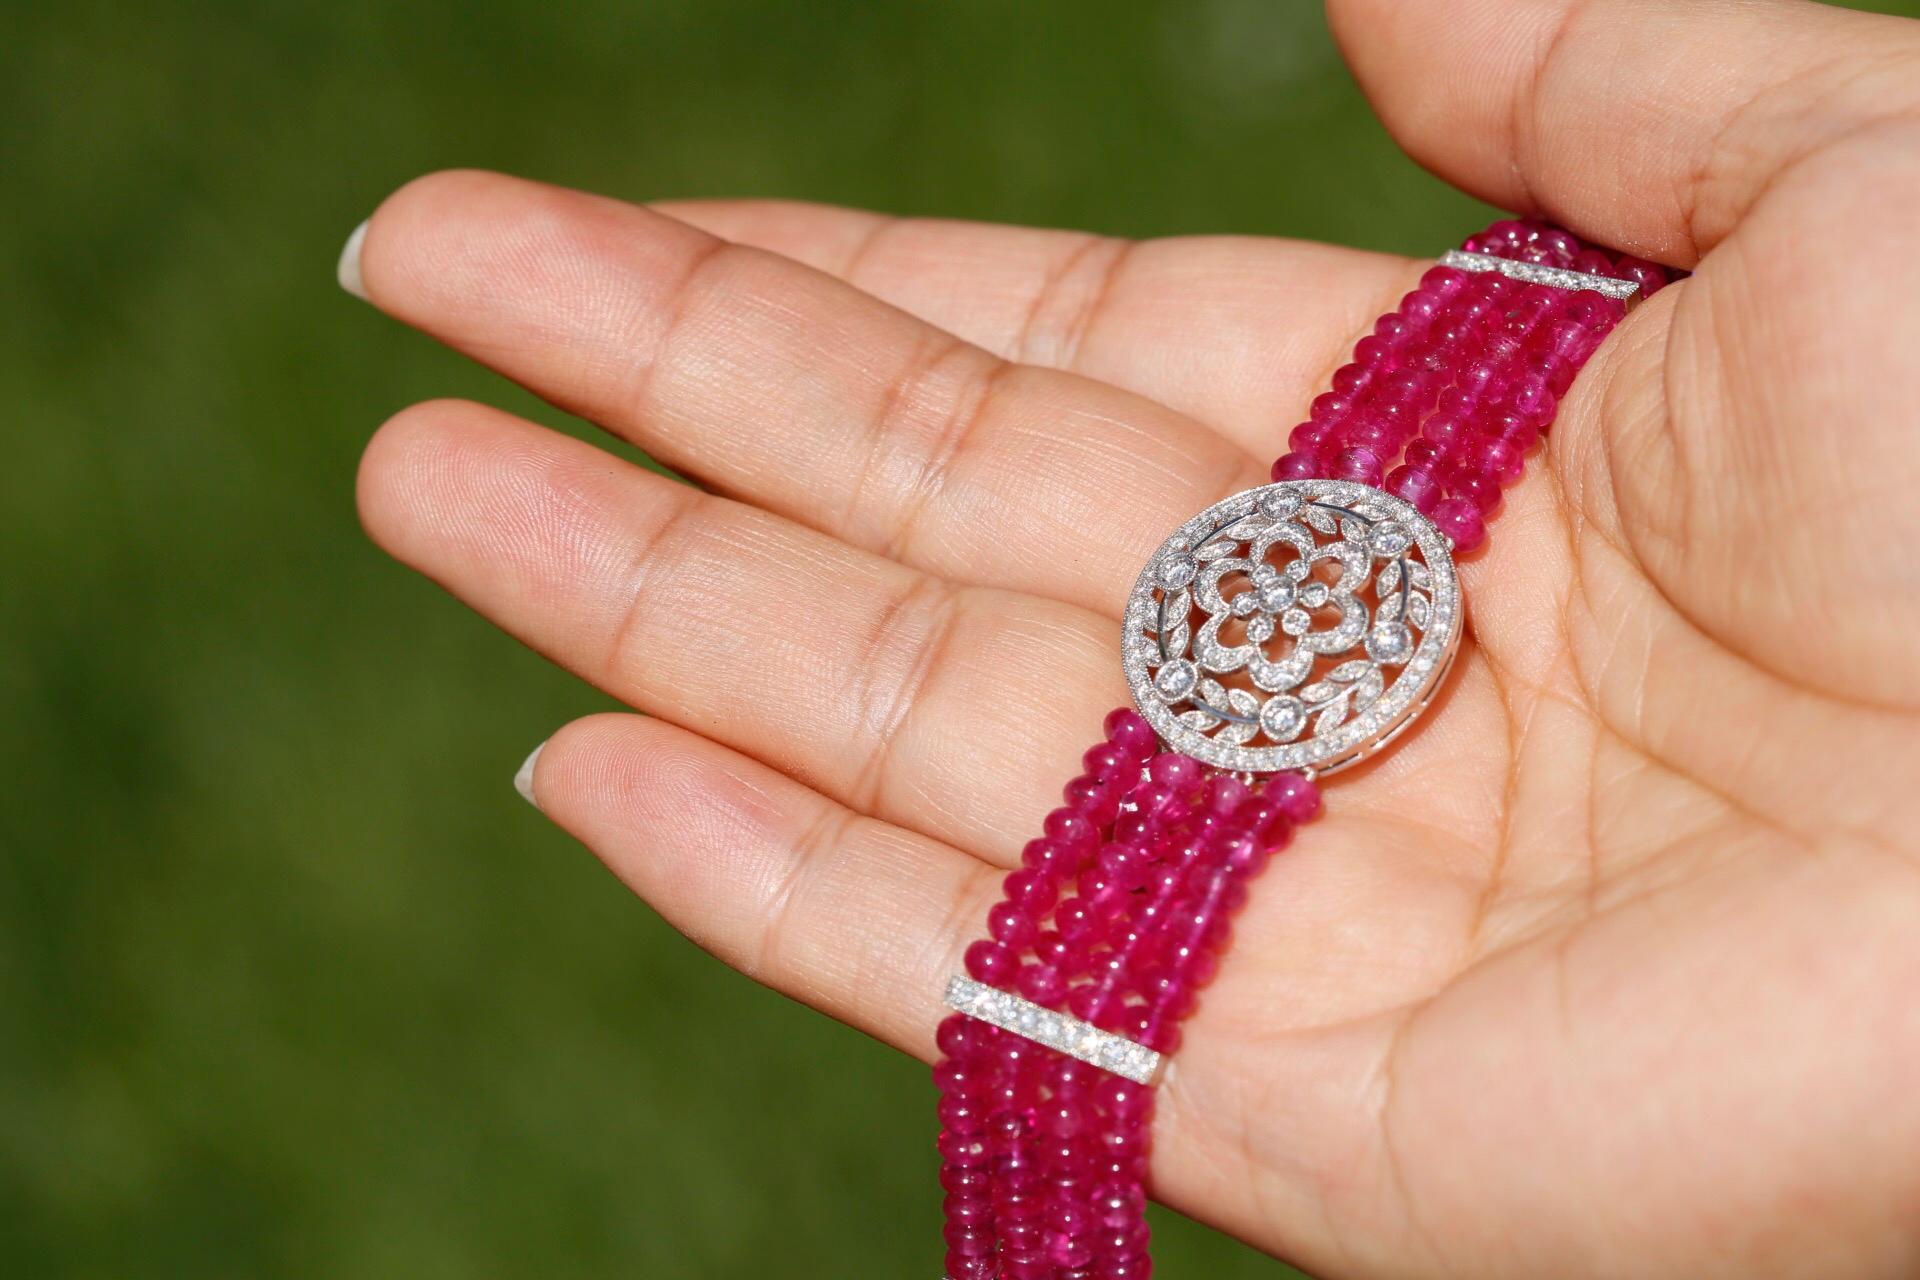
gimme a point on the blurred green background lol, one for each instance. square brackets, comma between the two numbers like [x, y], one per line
[291, 983]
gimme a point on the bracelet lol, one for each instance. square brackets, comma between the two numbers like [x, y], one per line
[1280, 635]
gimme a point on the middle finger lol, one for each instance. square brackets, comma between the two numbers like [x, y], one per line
[775, 383]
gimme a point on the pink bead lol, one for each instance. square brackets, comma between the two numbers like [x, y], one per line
[1351, 379]
[1042, 984]
[1309, 436]
[1329, 406]
[1067, 1251]
[1393, 330]
[1066, 827]
[1010, 923]
[1482, 490]
[966, 1267]
[1032, 890]
[961, 1114]
[1358, 464]
[1133, 735]
[963, 1180]
[1092, 799]
[1224, 793]
[1594, 310]
[1560, 246]
[1109, 762]
[960, 1036]
[1180, 774]
[1050, 947]
[1650, 278]
[1375, 355]
[1295, 466]
[991, 962]
[1593, 263]
[1416, 485]
[1419, 308]
[1297, 795]
[962, 1148]
[1460, 520]
[1049, 855]
[1503, 460]
[1445, 281]
[1122, 1098]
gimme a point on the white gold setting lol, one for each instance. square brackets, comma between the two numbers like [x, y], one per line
[1538, 273]
[1123, 1057]
[1345, 611]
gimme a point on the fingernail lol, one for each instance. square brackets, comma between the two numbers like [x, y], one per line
[523, 780]
[349, 268]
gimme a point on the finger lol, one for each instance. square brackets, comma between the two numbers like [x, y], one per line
[861, 920]
[1237, 331]
[778, 385]
[891, 691]
[1649, 125]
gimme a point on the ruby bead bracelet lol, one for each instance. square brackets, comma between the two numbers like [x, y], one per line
[1280, 635]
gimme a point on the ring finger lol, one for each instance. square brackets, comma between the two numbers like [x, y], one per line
[891, 691]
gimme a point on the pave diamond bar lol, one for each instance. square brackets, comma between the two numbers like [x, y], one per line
[1057, 1031]
[1536, 273]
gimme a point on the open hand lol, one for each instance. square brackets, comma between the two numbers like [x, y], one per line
[1610, 968]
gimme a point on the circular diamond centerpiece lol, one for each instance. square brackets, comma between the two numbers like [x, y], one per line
[1298, 625]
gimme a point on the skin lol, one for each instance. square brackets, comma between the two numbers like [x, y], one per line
[1609, 968]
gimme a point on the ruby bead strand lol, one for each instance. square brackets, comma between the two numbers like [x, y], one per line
[1121, 909]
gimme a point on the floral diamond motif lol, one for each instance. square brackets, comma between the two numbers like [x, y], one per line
[1298, 624]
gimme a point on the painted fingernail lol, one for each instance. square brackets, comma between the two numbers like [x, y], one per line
[349, 268]
[523, 780]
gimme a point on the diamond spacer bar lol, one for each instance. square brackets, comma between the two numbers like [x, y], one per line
[1537, 273]
[1123, 1057]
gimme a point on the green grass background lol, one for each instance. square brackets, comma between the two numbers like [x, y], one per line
[291, 983]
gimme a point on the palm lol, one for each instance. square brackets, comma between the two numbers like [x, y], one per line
[1609, 955]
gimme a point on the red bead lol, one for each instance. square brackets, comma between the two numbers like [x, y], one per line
[1460, 520]
[1110, 763]
[1033, 890]
[965, 1180]
[1133, 735]
[1010, 923]
[1416, 485]
[1482, 490]
[965, 1149]
[1295, 466]
[1042, 984]
[1329, 406]
[1297, 795]
[991, 962]
[960, 1036]
[1309, 436]
[1070, 829]
[1178, 773]
[1358, 464]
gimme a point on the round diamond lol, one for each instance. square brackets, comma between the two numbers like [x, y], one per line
[1283, 717]
[1388, 539]
[1279, 504]
[1390, 644]
[1176, 679]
